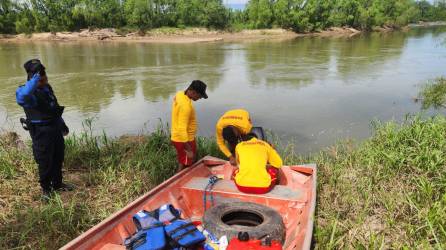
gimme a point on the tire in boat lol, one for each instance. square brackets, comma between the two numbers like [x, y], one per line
[257, 220]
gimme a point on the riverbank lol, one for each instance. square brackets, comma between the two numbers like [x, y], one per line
[387, 192]
[194, 35]
[175, 35]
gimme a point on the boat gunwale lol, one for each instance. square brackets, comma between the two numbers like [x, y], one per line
[115, 218]
[312, 210]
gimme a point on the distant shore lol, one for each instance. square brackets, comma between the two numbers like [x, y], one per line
[175, 35]
[193, 35]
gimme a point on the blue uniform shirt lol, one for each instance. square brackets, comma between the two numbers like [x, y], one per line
[25, 94]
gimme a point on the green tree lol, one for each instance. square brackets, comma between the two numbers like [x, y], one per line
[25, 21]
[216, 15]
[425, 9]
[53, 15]
[139, 13]
[438, 11]
[260, 13]
[346, 12]
[298, 15]
[8, 15]
[98, 13]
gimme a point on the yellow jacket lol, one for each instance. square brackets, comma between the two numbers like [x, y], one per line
[238, 118]
[252, 157]
[184, 122]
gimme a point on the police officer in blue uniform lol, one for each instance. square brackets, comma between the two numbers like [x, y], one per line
[46, 127]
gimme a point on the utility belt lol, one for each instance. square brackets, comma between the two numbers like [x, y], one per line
[28, 124]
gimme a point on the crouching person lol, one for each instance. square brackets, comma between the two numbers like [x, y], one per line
[254, 175]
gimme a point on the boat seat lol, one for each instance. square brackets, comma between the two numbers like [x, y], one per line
[279, 192]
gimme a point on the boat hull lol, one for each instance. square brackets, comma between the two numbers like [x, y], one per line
[294, 199]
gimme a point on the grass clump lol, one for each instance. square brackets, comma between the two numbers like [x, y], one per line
[389, 192]
[433, 94]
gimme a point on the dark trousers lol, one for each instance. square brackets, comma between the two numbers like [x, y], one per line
[48, 150]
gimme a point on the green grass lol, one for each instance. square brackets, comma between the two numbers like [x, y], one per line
[109, 173]
[433, 94]
[387, 192]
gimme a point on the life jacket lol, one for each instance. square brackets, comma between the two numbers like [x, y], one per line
[47, 108]
[150, 233]
[166, 213]
[184, 234]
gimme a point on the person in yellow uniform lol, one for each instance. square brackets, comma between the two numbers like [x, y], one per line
[231, 127]
[253, 174]
[184, 122]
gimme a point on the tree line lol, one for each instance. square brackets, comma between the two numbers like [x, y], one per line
[310, 15]
[29, 16]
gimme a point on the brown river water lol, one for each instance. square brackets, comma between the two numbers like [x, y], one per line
[308, 91]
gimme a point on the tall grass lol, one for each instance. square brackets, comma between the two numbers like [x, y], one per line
[433, 94]
[390, 192]
[387, 192]
[108, 173]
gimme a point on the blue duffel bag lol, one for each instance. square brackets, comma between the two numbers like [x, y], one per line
[184, 233]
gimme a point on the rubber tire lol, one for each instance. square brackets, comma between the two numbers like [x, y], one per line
[272, 224]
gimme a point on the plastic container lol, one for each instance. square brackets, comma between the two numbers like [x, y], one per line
[236, 244]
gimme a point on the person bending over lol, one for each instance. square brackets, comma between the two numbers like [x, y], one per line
[230, 128]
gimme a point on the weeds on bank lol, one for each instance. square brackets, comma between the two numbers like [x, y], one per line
[433, 94]
[11, 154]
[388, 192]
[108, 172]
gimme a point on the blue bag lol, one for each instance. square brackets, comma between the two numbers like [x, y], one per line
[184, 233]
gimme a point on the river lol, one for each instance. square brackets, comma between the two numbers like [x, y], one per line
[310, 91]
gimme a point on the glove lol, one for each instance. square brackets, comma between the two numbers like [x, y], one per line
[65, 129]
[34, 77]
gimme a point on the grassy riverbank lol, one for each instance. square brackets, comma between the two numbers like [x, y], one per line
[388, 191]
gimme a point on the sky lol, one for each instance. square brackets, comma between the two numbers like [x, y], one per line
[235, 1]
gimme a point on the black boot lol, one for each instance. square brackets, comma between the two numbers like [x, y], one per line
[47, 194]
[64, 187]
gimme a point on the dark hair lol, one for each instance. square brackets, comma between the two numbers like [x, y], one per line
[229, 135]
[34, 66]
[249, 136]
[199, 87]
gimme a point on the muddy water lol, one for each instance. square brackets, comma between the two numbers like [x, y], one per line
[311, 91]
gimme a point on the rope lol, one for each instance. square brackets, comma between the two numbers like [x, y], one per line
[212, 180]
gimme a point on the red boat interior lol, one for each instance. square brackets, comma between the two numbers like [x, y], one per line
[293, 199]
